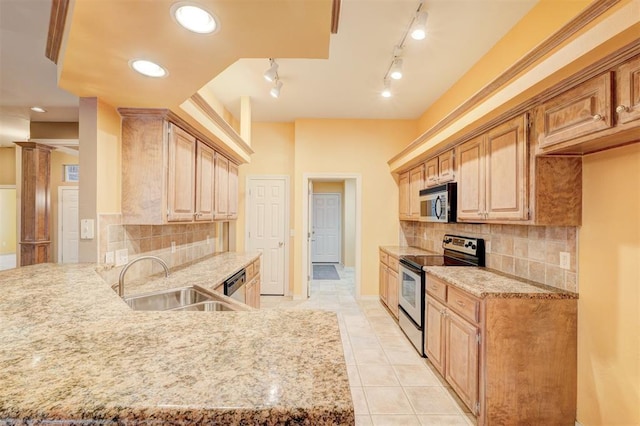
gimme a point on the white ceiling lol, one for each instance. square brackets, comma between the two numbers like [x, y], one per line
[347, 85]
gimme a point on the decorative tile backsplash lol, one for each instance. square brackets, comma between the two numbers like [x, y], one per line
[192, 242]
[530, 252]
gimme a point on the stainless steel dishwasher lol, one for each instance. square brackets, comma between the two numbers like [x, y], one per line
[234, 286]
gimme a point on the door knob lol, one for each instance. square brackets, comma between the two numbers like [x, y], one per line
[280, 244]
[621, 108]
[598, 117]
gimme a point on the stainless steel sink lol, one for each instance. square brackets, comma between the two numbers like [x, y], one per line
[168, 299]
[209, 306]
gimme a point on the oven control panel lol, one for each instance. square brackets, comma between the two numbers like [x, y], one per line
[463, 244]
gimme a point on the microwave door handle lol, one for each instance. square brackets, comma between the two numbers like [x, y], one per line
[437, 207]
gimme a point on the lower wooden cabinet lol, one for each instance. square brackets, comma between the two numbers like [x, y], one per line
[511, 360]
[388, 280]
[252, 294]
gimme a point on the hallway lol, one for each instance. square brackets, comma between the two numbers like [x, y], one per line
[390, 383]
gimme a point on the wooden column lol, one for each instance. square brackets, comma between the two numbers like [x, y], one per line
[35, 203]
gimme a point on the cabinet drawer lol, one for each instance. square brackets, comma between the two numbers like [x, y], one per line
[249, 272]
[436, 288]
[464, 304]
[393, 263]
[384, 257]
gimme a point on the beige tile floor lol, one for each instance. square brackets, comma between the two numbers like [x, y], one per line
[390, 383]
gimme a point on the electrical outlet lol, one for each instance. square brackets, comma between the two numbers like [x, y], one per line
[173, 246]
[109, 257]
[487, 246]
[208, 240]
[122, 257]
[565, 260]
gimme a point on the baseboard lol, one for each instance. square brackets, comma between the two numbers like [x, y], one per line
[368, 297]
[299, 297]
[578, 423]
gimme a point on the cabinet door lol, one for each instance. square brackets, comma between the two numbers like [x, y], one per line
[416, 183]
[233, 191]
[506, 176]
[392, 292]
[404, 191]
[628, 91]
[446, 172]
[471, 178]
[431, 172]
[205, 160]
[580, 111]
[221, 200]
[434, 333]
[384, 278]
[461, 358]
[181, 177]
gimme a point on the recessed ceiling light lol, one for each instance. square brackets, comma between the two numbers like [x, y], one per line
[194, 18]
[148, 68]
[38, 109]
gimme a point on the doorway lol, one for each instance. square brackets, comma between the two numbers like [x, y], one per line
[349, 254]
[267, 213]
[326, 228]
[8, 227]
[68, 223]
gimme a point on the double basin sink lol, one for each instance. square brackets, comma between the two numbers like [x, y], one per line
[178, 299]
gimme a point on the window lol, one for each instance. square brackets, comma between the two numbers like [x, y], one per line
[71, 172]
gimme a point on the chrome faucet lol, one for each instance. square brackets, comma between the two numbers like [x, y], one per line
[128, 265]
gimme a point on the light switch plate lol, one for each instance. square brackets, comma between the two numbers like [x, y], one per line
[565, 260]
[109, 257]
[122, 257]
[86, 229]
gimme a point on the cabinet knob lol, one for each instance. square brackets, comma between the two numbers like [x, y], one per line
[621, 108]
[597, 117]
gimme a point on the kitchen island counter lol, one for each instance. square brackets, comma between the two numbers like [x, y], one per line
[72, 351]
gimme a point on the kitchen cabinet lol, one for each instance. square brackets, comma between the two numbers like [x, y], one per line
[252, 295]
[410, 183]
[388, 282]
[602, 112]
[440, 169]
[226, 184]
[483, 348]
[168, 175]
[492, 174]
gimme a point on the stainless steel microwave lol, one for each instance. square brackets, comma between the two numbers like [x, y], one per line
[438, 204]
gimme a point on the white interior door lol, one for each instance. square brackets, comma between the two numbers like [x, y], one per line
[266, 216]
[310, 238]
[69, 234]
[326, 229]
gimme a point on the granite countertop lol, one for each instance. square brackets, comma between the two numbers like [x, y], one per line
[484, 282]
[73, 351]
[398, 251]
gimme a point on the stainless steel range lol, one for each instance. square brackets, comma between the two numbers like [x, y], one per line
[458, 251]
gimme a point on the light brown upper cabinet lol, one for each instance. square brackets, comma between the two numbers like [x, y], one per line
[226, 184]
[410, 184]
[492, 174]
[167, 174]
[601, 113]
[440, 169]
[628, 91]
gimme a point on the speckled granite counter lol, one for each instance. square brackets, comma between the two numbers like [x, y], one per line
[483, 282]
[73, 351]
[398, 251]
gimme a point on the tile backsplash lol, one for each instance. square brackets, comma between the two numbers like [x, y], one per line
[530, 252]
[192, 242]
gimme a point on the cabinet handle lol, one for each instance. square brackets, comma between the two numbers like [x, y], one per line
[460, 303]
[621, 108]
[597, 117]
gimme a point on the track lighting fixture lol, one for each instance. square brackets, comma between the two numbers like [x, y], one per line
[396, 69]
[419, 28]
[272, 73]
[275, 90]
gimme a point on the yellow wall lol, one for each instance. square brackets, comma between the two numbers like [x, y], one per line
[109, 156]
[609, 286]
[7, 166]
[273, 144]
[8, 224]
[362, 147]
[58, 159]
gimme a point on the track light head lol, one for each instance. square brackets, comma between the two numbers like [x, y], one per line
[272, 73]
[419, 28]
[386, 92]
[275, 90]
[396, 69]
